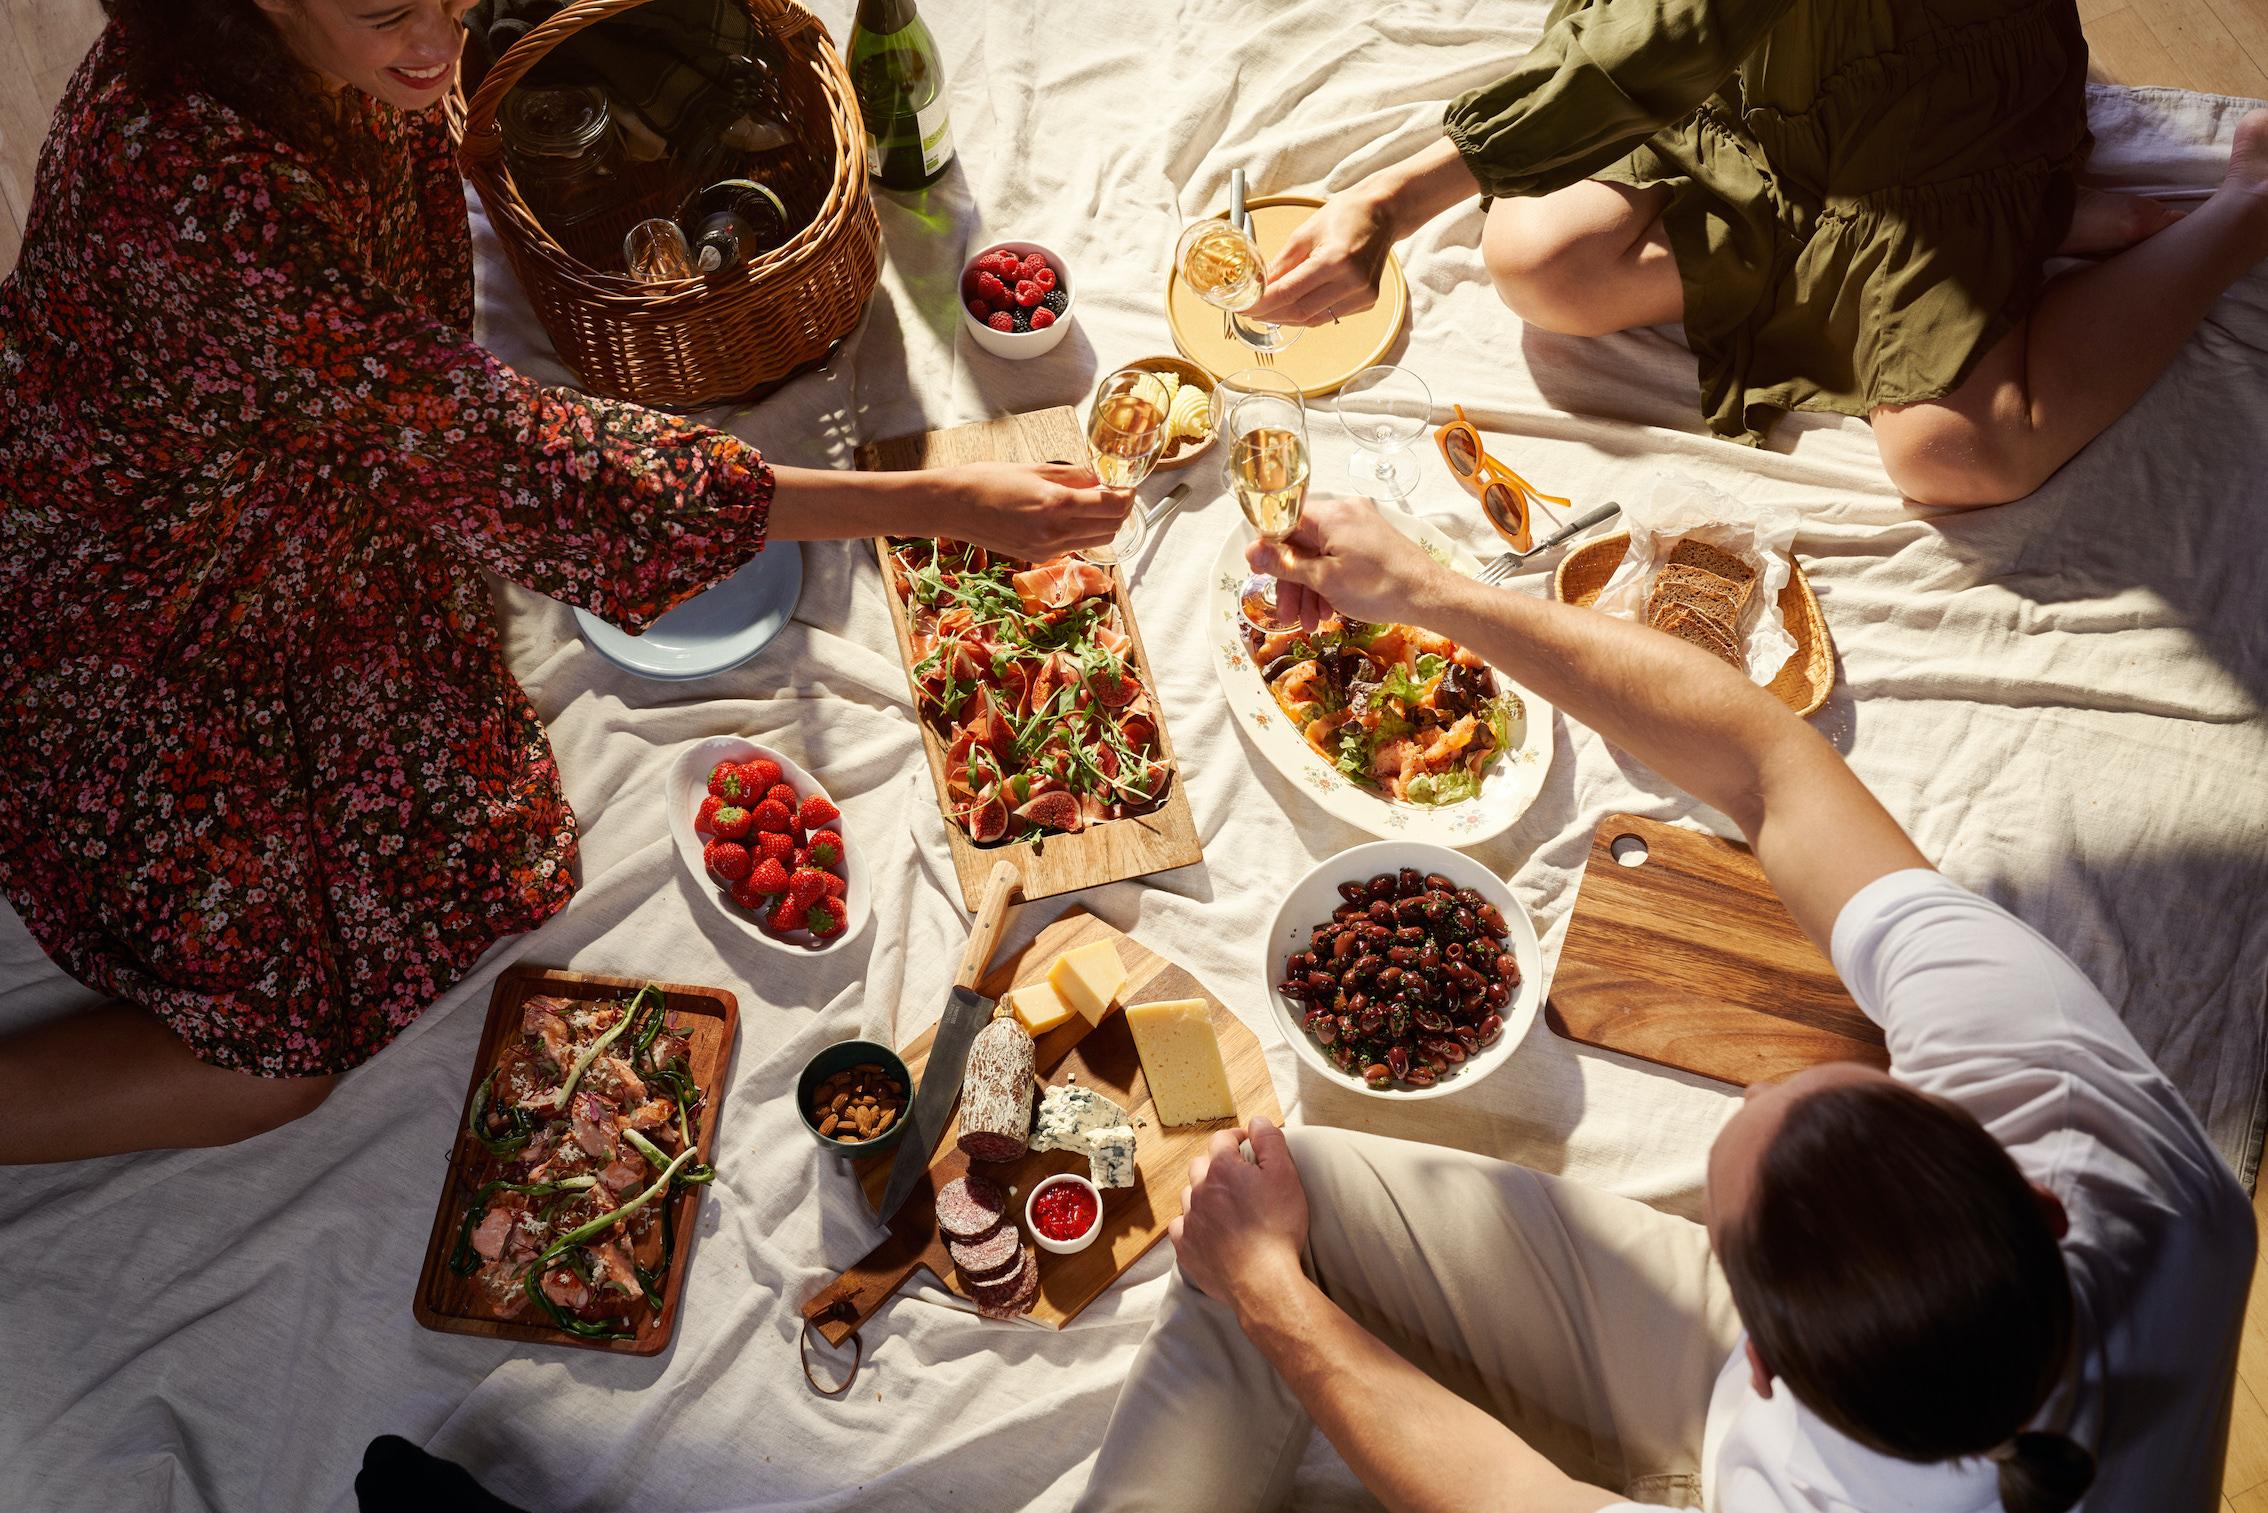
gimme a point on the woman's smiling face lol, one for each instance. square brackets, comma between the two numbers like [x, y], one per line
[401, 51]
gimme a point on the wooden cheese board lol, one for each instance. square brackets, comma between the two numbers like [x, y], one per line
[451, 1304]
[1689, 960]
[1101, 1057]
[1163, 838]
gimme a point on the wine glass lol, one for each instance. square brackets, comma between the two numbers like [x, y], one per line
[1126, 434]
[1384, 409]
[1268, 470]
[1222, 265]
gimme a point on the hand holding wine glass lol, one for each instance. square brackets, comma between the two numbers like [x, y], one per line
[1267, 440]
[1126, 434]
[1222, 265]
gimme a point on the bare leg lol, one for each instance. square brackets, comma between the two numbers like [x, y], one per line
[115, 1079]
[1585, 260]
[2097, 339]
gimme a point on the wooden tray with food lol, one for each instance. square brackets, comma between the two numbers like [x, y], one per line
[1036, 703]
[1112, 1065]
[581, 1156]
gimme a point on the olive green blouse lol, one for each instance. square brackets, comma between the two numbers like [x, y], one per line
[1863, 192]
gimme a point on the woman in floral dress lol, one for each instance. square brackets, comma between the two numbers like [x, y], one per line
[264, 777]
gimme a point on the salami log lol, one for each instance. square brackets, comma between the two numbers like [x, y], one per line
[969, 1208]
[996, 1094]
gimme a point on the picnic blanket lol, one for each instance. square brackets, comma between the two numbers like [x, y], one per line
[2062, 700]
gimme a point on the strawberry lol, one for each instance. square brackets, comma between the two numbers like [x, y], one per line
[705, 821]
[826, 848]
[782, 792]
[824, 922]
[725, 782]
[807, 886]
[1001, 320]
[817, 813]
[768, 877]
[771, 816]
[760, 773]
[787, 916]
[727, 861]
[775, 846]
[1042, 318]
[730, 822]
[837, 885]
[748, 897]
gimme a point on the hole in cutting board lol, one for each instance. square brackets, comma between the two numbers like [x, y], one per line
[1630, 850]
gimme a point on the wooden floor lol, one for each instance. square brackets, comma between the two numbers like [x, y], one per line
[2215, 45]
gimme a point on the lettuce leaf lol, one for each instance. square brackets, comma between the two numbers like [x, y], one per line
[1401, 685]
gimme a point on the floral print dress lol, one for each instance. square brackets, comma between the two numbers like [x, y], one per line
[262, 768]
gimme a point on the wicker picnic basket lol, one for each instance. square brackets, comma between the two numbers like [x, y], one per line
[697, 341]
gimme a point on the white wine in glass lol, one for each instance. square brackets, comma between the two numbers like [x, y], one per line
[1268, 463]
[1126, 434]
[1222, 266]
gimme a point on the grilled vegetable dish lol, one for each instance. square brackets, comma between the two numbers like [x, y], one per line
[586, 1136]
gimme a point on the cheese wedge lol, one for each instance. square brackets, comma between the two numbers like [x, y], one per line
[1038, 1006]
[1181, 1057]
[1088, 978]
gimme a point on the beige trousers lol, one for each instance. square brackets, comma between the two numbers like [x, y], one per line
[1591, 1325]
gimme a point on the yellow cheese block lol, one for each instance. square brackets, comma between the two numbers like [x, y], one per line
[1038, 1006]
[1181, 1057]
[1088, 977]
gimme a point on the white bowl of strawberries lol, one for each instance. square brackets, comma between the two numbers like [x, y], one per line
[775, 863]
[1016, 299]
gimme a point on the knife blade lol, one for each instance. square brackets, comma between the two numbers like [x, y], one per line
[966, 1012]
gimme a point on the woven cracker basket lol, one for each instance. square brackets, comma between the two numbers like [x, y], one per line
[692, 342]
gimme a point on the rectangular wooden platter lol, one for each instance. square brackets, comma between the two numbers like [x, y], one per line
[1101, 1057]
[1690, 961]
[1158, 841]
[450, 1303]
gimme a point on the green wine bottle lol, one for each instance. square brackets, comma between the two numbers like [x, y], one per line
[900, 83]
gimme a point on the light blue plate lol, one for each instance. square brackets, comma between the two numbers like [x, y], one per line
[714, 631]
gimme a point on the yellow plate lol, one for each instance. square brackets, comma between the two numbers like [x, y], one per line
[1325, 356]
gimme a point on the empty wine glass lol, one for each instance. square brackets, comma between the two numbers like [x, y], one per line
[1385, 409]
[1223, 266]
[1126, 434]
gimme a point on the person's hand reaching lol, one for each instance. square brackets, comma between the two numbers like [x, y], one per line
[1244, 1223]
[1030, 510]
[1331, 264]
[1346, 557]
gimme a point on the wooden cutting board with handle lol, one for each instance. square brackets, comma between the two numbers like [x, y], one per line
[1689, 960]
[1101, 1057]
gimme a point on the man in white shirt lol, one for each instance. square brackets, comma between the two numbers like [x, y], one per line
[2009, 1273]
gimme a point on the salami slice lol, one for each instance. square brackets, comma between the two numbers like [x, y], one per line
[970, 1207]
[987, 1258]
[996, 1093]
[1013, 1297]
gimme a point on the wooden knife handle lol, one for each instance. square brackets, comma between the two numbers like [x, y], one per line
[991, 919]
[840, 1308]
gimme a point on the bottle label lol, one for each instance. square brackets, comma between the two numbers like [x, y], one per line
[936, 129]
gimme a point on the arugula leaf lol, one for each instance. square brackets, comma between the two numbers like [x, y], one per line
[1400, 685]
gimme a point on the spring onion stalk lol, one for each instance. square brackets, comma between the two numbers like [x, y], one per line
[464, 1260]
[557, 1097]
[522, 1127]
[584, 1233]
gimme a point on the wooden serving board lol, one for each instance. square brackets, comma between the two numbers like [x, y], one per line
[1158, 841]
[450, 1303]
[1690, 961]
[1103, 1058]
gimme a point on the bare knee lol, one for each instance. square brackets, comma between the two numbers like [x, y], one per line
[1535, 258]
[1946, 459]
[260, 1104]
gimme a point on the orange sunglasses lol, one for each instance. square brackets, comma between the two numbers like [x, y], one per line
[1504, 495]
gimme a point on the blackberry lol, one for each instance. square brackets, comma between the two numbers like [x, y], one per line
[1022, 317]
[1056, 300]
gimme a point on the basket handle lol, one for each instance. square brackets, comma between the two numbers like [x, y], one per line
[483, 138]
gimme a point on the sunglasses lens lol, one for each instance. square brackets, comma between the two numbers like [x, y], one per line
[1505, 508]
[1462, 454]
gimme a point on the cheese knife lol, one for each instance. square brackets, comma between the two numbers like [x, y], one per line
[966, 1012]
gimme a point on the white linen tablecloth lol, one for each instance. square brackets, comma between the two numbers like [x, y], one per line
[2062, 700]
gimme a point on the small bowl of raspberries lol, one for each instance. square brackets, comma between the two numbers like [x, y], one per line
[765, 844]
[1016, 299]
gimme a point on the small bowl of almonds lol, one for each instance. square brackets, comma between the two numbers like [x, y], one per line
[853, 1097]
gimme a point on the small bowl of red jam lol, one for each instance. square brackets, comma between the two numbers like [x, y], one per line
[1064, 1213]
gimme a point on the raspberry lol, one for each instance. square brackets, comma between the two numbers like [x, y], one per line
[999, 262]
[1001, 320]
[1056, 300]
[824, 922]
[1021, 320]
[747, 897]
[990, 289]
[760, 773]
[1042, 318]
[786, 917]
[1045, 278]
[1028, 293]
[731, 822]
[775, 846]
[727, 861]
[807, 886]
[705, 821]
[826, 848]
[725, 782]
[782, 792]
[771, 816]
[817, 813]
[837, 885]
[768, 877]
[979, 309]
[1031, 265]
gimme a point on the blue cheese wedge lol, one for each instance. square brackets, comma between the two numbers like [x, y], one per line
[1110, 1159]
[1068, 1114]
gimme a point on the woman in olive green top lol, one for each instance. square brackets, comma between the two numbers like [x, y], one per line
[1848, 204]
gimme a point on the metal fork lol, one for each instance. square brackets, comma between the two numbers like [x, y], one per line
[1503, 567]
[1236, 218]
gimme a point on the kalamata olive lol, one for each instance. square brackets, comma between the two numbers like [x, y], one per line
[1409, 911]
[1401, 956]
[1466, 1037]
[1508, 968]
[1398, 1057]
[1346, 947]
[1366, 965]
[1432, 1019]
[1343, 1057]
[1338, 1000]
[1351, 910]
[1429, 957]
[1491, 919]
[1320, 981]
[1376, 937]
[1382, 912]
[1439, 884]
[1354, 892]
[1434, 908]
[1350, 1028]
[1322, 1025]
[1389, 979]
[1463, 920]
[1454, 951]
[1470, 898]
[1357, 1002]
[1381, 887]
[1448, 1049]
[1398, 1021]
[1498, 995]
[1377, 1074]
[1407, 883]
[1489, 1028]
[1421, 1076]
[1293, 989]
[1411, 935]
